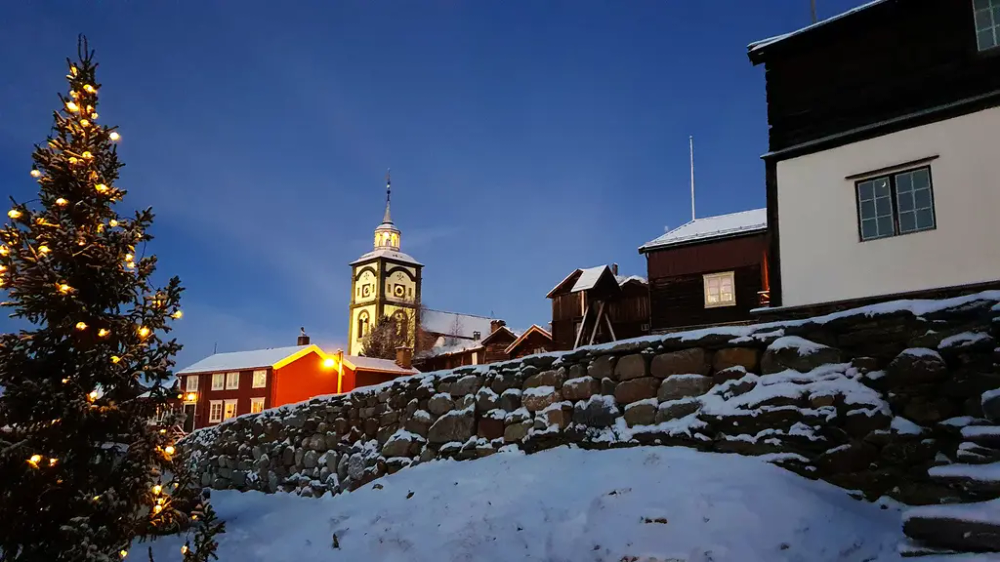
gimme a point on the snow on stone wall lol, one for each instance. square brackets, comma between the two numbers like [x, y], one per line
[867, 400]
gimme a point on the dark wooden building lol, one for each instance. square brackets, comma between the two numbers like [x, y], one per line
[597, 305]
[534, 340]
[709, 271]
[501, 344]
[883, 127]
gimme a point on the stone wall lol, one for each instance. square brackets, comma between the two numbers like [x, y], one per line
[868, 399]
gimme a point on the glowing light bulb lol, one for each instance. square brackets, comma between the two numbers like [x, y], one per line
[52, 462]
[72, 159]
[115, 359]
[102, 333]
[43, 249]
[62, 202]
[157, 489]
[64, 381]
[129, 257]
[163, 432]
[96, 498]
[33, 460]
[123, 553]
[36, 173]
[157, 508]
[64, 288]
[81, 325]
[4, 250]
[194, 517]
[184, 549]
[328, 362]
[101, 187]
[179, 396]
[169, 449]
[74, 70]
[71, 105]
[93, 395]
[86, 154]
[191, 396]
[143, 332]
[89, 89]
[114, 136]
[84, 123]
[113, 223]
[93, 116]
[178, 314]
[13, 213]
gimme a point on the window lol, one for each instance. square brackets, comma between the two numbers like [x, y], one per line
[896, 204]
[215, 411]
[218, 381]
[192, 383]
[256, 405]
[232, 381]
[719, 290]
[229, 409]
[362, 323]
[260, 378]
[987, 23]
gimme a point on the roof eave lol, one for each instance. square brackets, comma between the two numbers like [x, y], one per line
[646, 248]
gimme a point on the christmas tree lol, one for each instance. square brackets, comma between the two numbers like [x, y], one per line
[83, 470]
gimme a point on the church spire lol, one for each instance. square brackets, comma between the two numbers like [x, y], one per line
[386, 234]
[387, 219]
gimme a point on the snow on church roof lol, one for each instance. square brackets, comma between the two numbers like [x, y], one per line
[388, 254]
[710, 228]
[454, 324]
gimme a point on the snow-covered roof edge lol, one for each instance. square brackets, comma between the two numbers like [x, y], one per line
[534, 328]
[711, 228]
[756, 46]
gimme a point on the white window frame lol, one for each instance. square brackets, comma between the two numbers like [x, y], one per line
[707, 281]
[987, 18]
[212, 417]
[257, 403]
[233, 380]
[219, 381]
[262, 381]
[225, 406]
[191, 384]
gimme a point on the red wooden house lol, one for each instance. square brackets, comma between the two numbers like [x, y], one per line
[226, 385]
[709, 271]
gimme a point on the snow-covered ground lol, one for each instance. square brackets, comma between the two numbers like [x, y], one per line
[641, 504]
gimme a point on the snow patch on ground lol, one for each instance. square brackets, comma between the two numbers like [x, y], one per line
[560, 505]
[981, 512]
[981, 431]
[802, 345]
[960, 421]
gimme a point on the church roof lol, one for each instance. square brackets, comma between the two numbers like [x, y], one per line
[387, 254]
[454, 324]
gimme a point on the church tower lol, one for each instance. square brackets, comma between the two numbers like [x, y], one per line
[385, 283]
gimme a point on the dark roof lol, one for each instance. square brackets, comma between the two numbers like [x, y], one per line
[757, 50]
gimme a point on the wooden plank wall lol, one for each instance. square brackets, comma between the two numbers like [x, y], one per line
[891, 60]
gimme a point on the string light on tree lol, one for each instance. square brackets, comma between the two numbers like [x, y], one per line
[143, 332]
[36, 173]
[178, 314]
[61, 202]
[81, 326]
[33, 460]
[43, 249]
[114, 136]
[64, 288]
[71, 105]
[14, 213]
[103, 333]
[101, 187]
[93, 395]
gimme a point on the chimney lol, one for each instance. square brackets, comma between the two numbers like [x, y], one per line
[404, 357]
[303, 338]
[614, 269]
[496, 325]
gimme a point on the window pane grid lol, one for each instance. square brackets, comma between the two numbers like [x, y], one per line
[987, 14]
[218, 381]
[719, 289]
[232, 381]
[259, 379]
[192, 383]
[215, 411]
[898, 204]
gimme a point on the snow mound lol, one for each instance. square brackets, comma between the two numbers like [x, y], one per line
[565, 504]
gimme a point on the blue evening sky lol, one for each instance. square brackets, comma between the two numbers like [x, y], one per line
[525, 139]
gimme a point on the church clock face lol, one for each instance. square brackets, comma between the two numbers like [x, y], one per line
[365, 288]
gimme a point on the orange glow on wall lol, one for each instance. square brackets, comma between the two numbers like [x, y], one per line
[302, 379]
